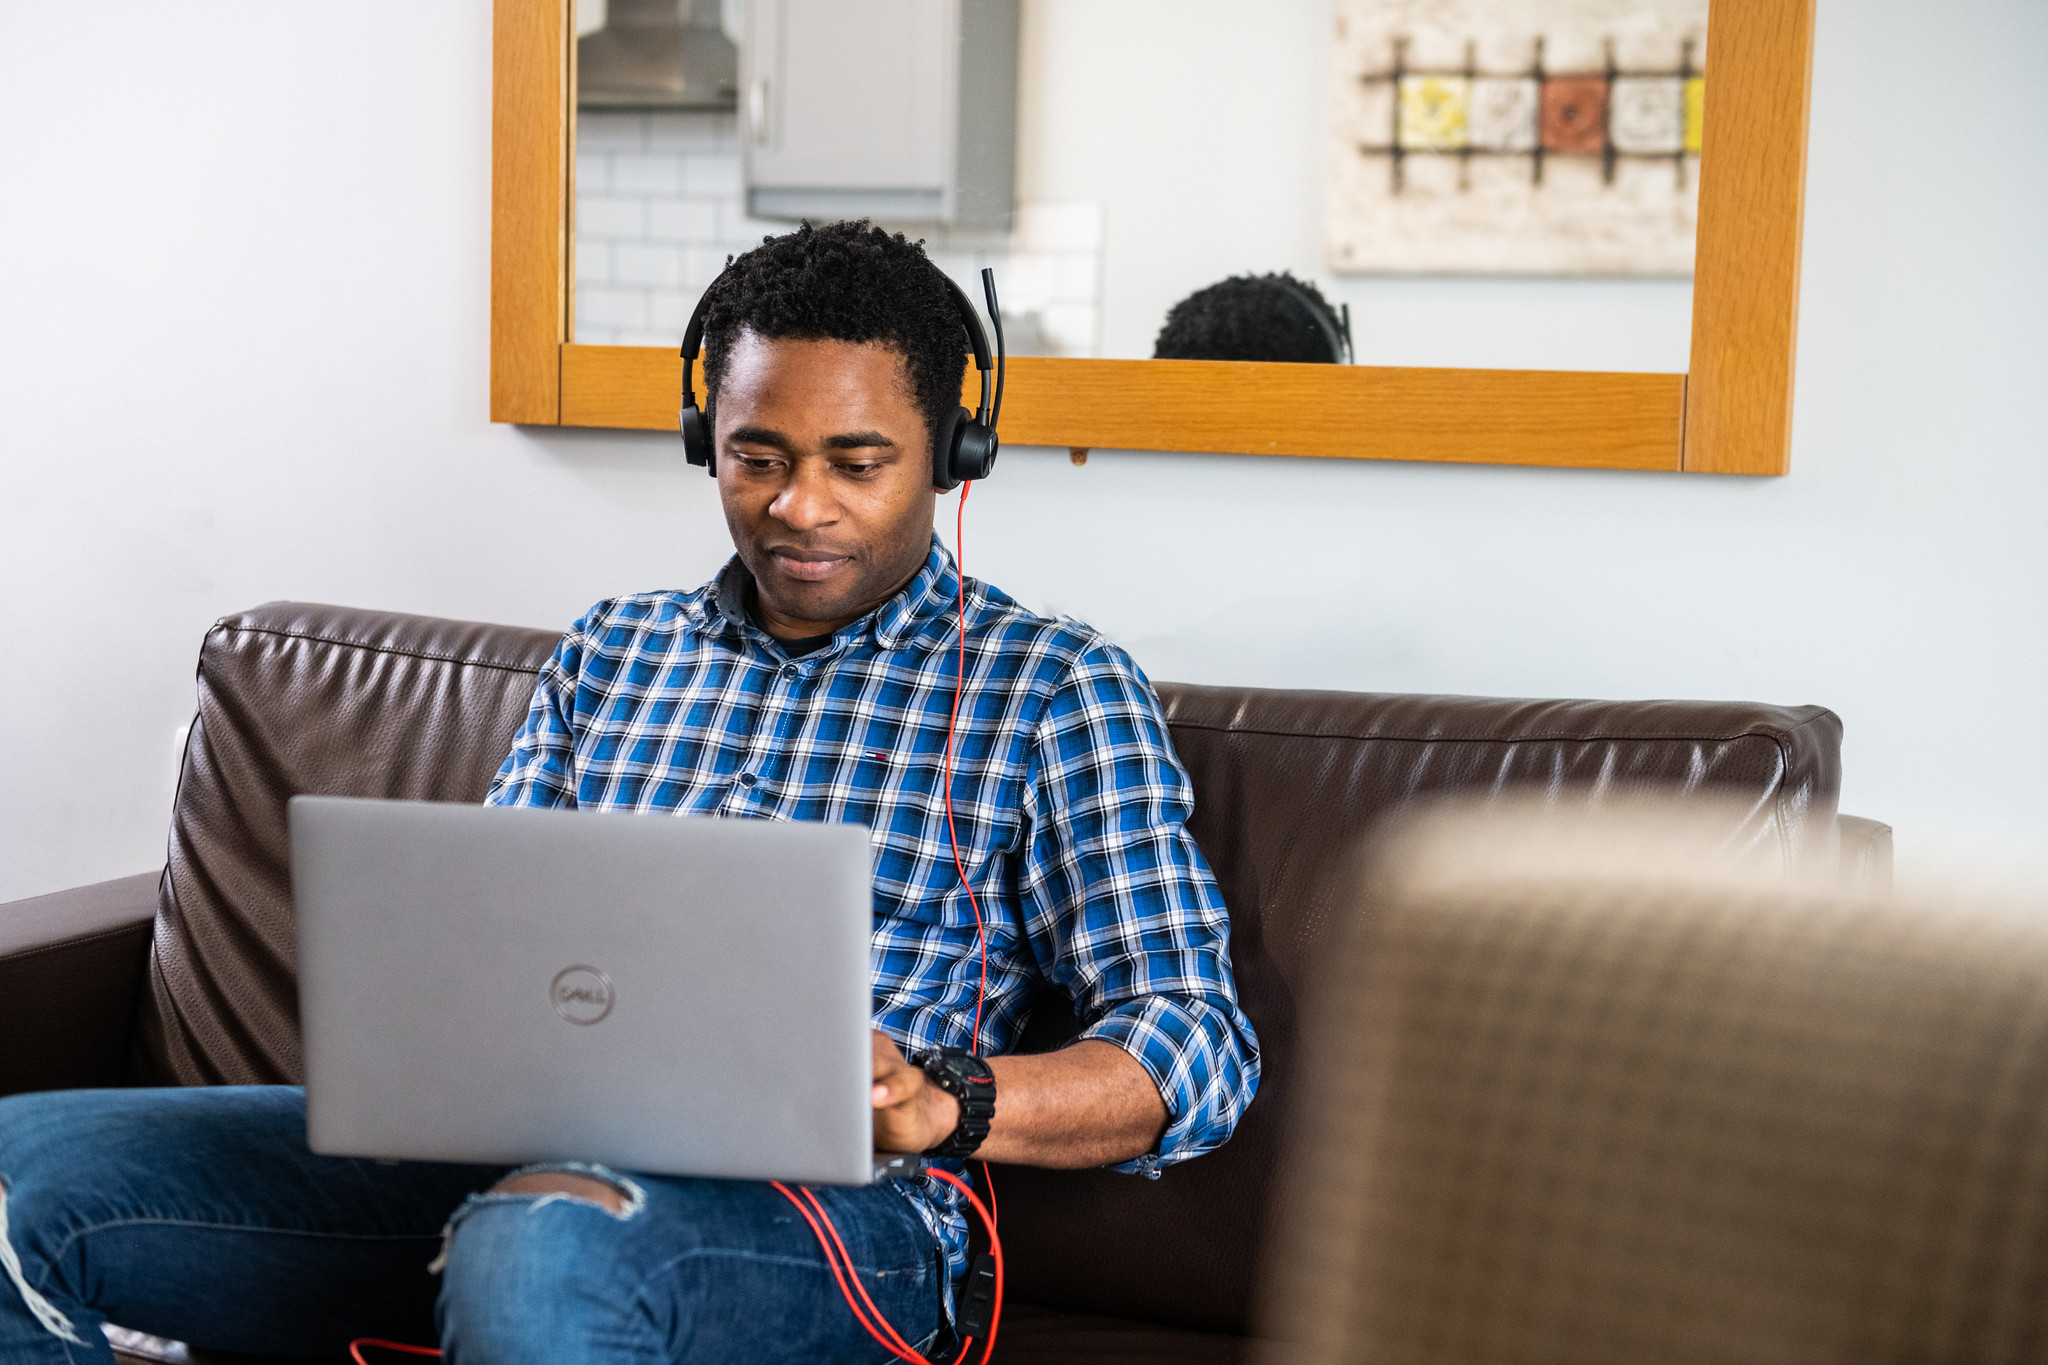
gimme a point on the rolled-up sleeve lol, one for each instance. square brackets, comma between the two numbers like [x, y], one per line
[1121, 905]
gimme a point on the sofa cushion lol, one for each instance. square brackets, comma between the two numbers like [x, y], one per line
[296, 698]
[1031, 1335]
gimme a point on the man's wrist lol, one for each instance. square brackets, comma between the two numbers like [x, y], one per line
[967, 1080]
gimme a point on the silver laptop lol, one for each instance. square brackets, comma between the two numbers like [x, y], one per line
[681, 996]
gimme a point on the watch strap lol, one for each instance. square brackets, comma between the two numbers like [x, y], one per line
[968, 1079]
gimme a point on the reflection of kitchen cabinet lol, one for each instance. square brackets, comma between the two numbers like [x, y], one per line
[902, 110]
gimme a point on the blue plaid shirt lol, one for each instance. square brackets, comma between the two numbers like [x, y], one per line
[1069, 804]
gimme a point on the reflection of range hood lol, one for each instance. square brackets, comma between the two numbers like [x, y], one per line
[649, 56]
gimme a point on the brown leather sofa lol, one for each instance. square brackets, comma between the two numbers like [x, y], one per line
[186, 977]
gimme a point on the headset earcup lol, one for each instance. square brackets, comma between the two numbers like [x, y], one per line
[697, 440]
[974, 451]
[946, 450]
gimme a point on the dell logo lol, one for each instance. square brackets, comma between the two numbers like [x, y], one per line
[582, 995]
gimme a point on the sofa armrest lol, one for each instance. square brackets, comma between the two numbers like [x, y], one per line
[1866, 853]
[71, 968]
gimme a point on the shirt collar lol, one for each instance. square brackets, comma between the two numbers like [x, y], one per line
[927, 597]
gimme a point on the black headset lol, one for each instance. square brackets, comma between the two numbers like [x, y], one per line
[966, 444]
[1335, 326]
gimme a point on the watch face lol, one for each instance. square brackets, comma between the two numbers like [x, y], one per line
[967, 1078]
[970, 1070]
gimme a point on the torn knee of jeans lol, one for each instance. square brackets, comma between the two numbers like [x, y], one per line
[545, 1187]
[560, 1182]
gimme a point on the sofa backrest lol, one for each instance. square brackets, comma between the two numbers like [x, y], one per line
[296, 698]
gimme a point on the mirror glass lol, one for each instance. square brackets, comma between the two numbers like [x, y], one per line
[1483, 183]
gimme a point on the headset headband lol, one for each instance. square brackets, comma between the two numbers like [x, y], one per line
[977, 340]
[1327, 319]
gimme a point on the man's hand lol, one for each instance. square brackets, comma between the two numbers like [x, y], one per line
[1089, 1104]
[911, 1114]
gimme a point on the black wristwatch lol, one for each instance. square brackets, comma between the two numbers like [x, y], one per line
[966, 1078]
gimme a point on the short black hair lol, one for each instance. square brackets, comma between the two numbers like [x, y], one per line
[848, 281]
[1251, 317]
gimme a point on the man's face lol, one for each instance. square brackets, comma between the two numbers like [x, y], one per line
[825, 472]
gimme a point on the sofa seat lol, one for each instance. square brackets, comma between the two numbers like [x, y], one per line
[1030, 1335]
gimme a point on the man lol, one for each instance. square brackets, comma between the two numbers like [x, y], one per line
[812, 679]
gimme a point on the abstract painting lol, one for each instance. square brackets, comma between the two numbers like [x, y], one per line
[1521, 137]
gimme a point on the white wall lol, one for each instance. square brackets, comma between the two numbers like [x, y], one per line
[244, 358]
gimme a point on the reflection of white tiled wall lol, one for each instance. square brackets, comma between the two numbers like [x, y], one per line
[658, 208]
[1048, 276]
[660, 205]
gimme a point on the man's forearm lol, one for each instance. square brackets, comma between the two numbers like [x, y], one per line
[1090, 1104]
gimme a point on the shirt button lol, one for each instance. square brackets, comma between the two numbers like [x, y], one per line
[789, 671]
[746, 779]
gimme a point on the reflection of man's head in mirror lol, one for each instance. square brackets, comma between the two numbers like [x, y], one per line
[1256, 317]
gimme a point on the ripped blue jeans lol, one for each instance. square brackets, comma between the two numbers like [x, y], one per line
[200, 1216]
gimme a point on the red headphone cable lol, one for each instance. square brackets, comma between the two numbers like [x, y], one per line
[863, 1306]
[878, 1328]
[355, 1348]
[980, 931]
[846, 1258]
[953, 725]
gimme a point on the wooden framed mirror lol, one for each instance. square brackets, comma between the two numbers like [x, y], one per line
[1729, 413]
